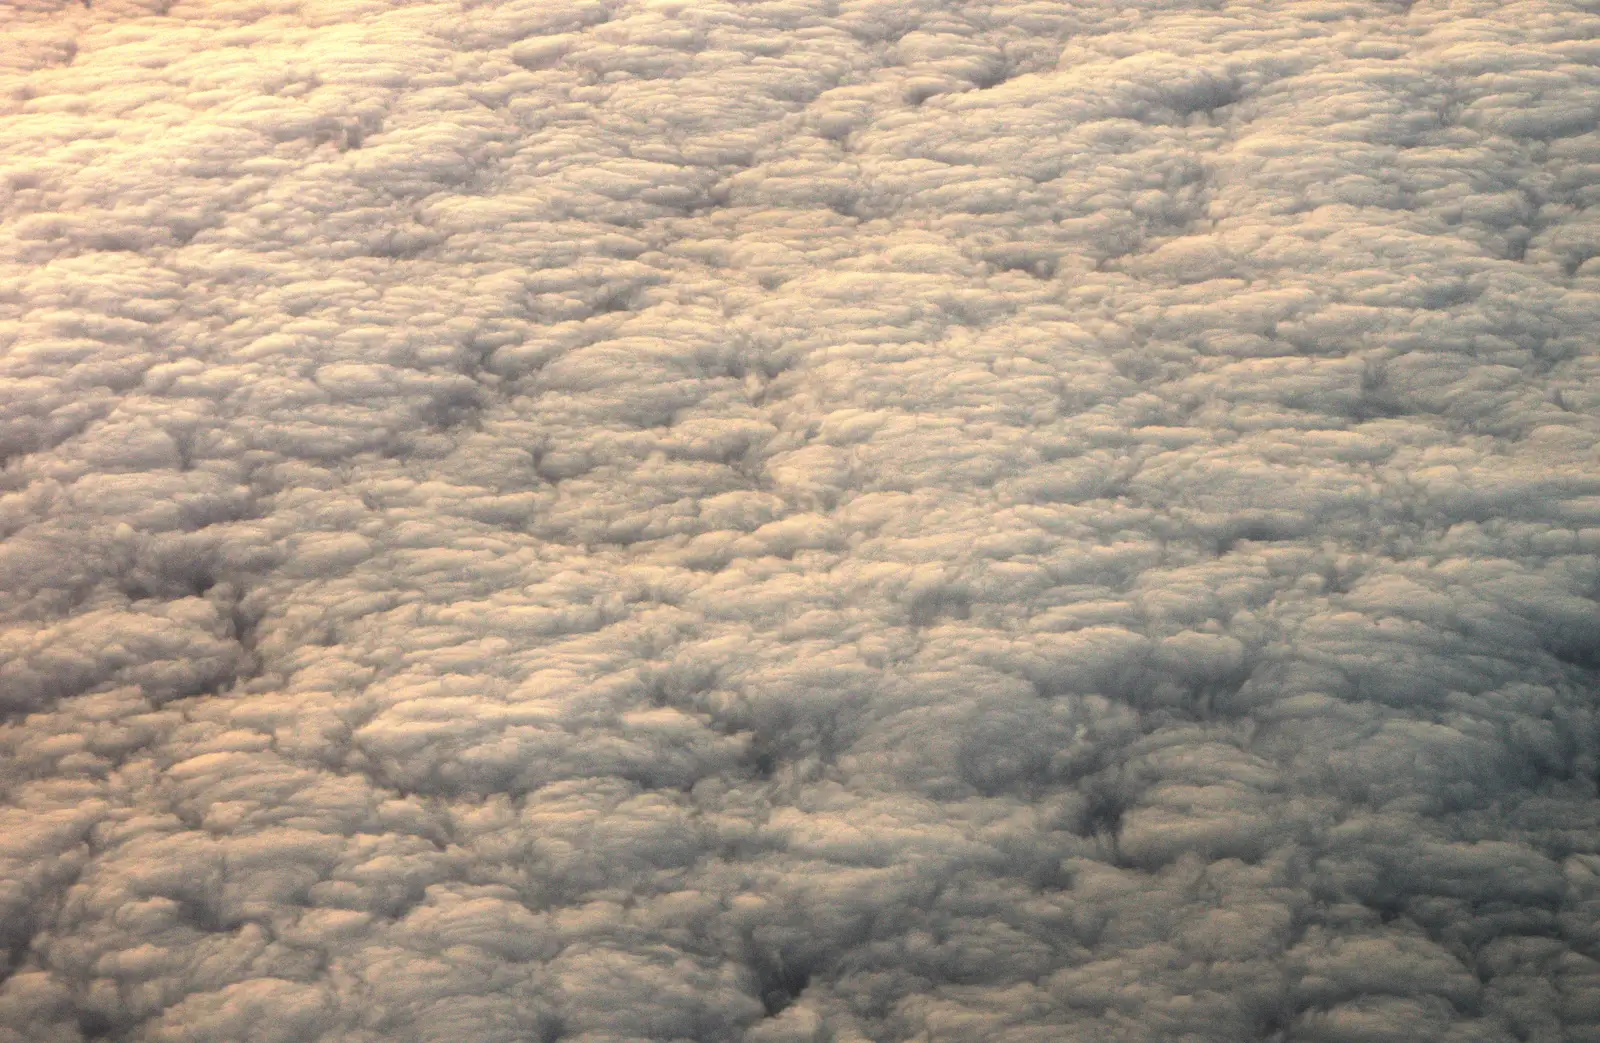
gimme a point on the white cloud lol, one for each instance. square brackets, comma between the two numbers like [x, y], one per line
[614, 521]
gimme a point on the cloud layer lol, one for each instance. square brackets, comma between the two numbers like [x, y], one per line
[809, 521]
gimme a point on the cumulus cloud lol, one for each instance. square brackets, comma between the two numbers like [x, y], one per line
[799, 522]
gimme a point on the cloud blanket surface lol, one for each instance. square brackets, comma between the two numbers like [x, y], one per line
[801, 521]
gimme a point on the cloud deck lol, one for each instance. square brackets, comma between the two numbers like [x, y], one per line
[803, 522]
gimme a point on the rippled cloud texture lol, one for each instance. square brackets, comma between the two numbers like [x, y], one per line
[807, 521]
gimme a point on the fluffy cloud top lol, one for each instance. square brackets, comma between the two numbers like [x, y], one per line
[808, 521]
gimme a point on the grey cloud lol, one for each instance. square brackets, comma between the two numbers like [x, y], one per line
[823, 522]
